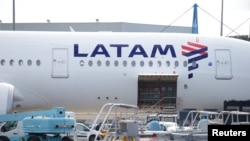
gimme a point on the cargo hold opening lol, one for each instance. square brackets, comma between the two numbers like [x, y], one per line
[157, 92]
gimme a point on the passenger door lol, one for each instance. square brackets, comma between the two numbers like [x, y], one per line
[60, 63]
[223, 64]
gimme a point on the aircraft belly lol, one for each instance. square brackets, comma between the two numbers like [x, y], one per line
[212, 95]
[88, 91]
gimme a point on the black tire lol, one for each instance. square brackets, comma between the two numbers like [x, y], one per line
[33, 138]
[3, 138]
[92, 138]
[66, 138]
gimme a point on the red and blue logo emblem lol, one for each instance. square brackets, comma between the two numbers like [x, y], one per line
[195, 52]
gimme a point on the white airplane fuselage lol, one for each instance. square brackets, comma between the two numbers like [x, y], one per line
[83, 71]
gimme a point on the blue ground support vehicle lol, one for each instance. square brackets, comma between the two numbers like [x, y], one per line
[45, 125]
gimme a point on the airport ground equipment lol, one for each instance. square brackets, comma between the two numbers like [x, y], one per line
[117, 122]
[237, 105]
[44, 125]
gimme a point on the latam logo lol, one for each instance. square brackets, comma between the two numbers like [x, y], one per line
[134, 50]
[195, 52]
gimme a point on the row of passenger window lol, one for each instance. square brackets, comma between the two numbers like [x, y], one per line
[133, 63]
[99, 63]
[20, 62]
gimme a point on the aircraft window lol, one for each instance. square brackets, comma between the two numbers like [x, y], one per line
[168, 63]
[11, 62]
[29, 62]
[99, 63]
[116, 63]
[90, 63]
[20, 62]
[2, 62]
[141, 63]
[38, 62]
[81, 63]
[133, 63]
[107, 63]
[159, 63]
[150, 63]
[185, 63]
[124, 63]
[176, 63]
[193, 64]
[185, 86]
